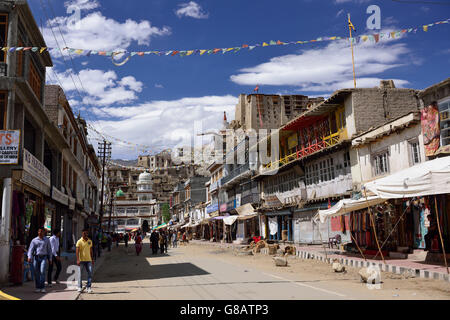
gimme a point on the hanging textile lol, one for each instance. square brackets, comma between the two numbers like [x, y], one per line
[273, 226]
[430, 128]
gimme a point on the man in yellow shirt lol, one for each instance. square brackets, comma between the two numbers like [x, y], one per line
[84, 254]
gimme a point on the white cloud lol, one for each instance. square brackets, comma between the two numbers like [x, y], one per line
[191, 9]
[345, 1]
[164, 123]
[82, 4]
[329, 68]
[97, 32]
[340, 12]
[159, 86]
[99, 88]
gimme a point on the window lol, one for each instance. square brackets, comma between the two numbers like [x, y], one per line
[380, 164]
[35, 81]
[346, 159]
[414, 148]
[3, 35]
[3, 105]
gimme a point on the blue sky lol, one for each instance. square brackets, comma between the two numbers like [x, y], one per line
[156, 100]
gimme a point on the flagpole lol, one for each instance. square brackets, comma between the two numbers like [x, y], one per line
[351, 44]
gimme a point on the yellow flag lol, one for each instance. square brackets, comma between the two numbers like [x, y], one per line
[425, 28]
[202, 51]
[79, 51]
[190, 52]
[42, 49]
[333, 38]
[364, 38]
[264, 44]
[229, 49]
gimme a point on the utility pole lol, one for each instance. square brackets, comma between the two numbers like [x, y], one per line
[104, 152]
[110, 209]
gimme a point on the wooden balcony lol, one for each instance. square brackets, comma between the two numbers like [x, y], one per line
[326, 142]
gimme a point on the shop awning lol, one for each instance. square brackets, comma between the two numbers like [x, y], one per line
[348, 205]
[230, 220]
[427, 178]
[187, 225]
[195, 224]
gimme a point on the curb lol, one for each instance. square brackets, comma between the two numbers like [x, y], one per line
[383, 267]
[7, 296]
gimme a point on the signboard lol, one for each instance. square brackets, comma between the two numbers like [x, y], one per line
[9, 146]
[212, 208]
[36, 168]
[59, 196]
[272, 201]
[238, 200]
[223, 207]
[28, 179]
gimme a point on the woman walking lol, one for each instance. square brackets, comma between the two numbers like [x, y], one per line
[138, 243]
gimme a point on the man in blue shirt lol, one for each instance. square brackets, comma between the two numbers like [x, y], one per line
[41, 250]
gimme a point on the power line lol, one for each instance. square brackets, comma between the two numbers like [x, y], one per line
[59, 47]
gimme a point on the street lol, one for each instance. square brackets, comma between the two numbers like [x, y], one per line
[195, 272]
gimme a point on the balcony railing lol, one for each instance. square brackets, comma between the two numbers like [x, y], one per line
[235, 173]
[326, 142]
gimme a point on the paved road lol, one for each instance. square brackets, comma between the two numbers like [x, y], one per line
[179, 275]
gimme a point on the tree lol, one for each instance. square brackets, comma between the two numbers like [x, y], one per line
[165, 212]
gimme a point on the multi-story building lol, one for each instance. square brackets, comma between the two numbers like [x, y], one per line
[195, 195]
[26, 181]
[129, 211]
[261, 111]
[80, 167]
[315, 162]
[177, 204]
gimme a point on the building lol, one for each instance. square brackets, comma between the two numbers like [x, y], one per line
[79, 166]
[261, 111]
[131, 210]
[314, 162]
[26, 181]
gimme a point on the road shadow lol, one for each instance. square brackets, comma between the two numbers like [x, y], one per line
[124, 265]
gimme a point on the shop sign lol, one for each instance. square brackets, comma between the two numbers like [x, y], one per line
[36, 168]
[59, 196]
[238, 201]
[9, 146]
[212, 208]
[223, 207]
[28, 179]
[71, 203]
[92, 220]
[272, 201]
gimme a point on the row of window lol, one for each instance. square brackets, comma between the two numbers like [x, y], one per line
[380, 160]
[326, 169]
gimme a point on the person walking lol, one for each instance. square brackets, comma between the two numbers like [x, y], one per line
[117, 239]
[154, 239]
[125, 239]
[138, 244]
[39, 252]
[84, 253]
[175, 239]
[161, 241]
[56, 259]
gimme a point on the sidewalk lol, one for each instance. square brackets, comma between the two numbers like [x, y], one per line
[58, 291]
[413, 264]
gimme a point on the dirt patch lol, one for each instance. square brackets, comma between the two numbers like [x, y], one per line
[393, 285]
